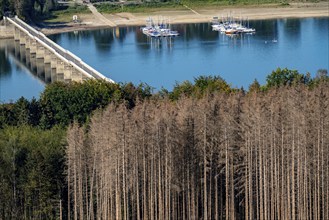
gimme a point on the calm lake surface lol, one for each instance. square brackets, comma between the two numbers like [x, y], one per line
[125, 54]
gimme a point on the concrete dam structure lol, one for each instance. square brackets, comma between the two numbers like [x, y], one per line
[47, 59]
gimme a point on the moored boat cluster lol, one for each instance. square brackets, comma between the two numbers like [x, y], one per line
[161, 29]
[228, 25]
[231, 26]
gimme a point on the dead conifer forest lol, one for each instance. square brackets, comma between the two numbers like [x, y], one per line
[260, 155]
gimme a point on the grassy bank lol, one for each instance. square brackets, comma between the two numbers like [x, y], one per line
[139, 8]
[162, 6]
[207, 4]
[65, 13]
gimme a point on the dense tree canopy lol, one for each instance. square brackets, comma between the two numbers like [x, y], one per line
[61, 103]
[32, 178]
[27, 9]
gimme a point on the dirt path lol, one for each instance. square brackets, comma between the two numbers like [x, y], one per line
[191, 10]
[101, 18]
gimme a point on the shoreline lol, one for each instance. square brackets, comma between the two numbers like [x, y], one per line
[202, 15]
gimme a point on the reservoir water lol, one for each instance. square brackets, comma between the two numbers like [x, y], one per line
[126, 55]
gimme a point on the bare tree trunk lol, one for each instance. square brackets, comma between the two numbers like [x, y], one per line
[68, 186]
[216, 198]
[80, 186]
[250, 185]
[138, 208]
[205, 211]
[261, 177]
[117, 191]
[232, 196]
[75, 187]
[227, 177]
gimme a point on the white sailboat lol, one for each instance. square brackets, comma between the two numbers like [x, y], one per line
[162, 29]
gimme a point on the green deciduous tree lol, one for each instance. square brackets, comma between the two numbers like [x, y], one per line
[202, 85]
[283, 77]
[62, 103]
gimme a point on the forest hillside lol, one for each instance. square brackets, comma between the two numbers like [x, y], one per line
[205, 150]
[263, 155]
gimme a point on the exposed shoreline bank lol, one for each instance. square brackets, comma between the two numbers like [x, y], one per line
[202, 15]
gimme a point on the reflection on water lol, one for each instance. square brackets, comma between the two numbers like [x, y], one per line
[16, 77]
[103, 39]
[126, 54]
[265, 29]
[5, 67]
[160, 43]
[13, 52]
[292, 28]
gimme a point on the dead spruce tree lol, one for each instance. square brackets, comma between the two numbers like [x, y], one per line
[263, 155]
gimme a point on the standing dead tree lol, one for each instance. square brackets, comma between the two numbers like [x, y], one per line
[263, 155]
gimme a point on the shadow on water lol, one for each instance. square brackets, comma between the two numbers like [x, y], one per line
[292, 28]
[103, 39]
[5, 66]
[265, 29]
[141, 40]
[201, 32]
[120, 33]
[321, 25]
[55, 37]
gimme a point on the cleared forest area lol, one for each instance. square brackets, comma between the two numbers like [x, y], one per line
[261, 155]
